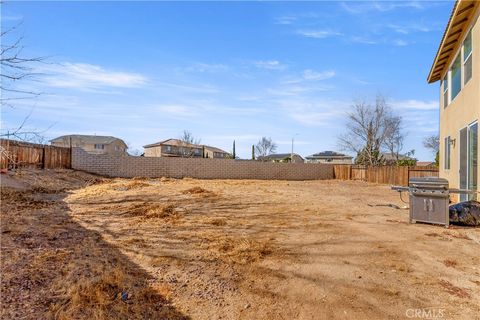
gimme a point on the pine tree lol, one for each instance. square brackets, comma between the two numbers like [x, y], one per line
[253, 152]
[234, 154]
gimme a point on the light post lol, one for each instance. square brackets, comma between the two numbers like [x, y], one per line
[291, 154]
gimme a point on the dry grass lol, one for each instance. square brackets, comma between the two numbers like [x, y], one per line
[242, 250]
[454, 290]
[114, 294]
[147, 210]
[450, 263]
[199, 191]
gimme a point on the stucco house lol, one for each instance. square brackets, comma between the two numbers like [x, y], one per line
[173, 148]
[179, 148]
[331, 157]
[92, 143]
[282, 157]
[214, 152]
[457, 67]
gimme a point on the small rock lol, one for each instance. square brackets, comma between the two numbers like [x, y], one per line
[246, 306]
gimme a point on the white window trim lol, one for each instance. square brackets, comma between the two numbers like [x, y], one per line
[462, 68]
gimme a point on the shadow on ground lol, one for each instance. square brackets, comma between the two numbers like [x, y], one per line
[54, 268]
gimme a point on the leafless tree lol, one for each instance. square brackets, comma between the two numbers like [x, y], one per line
[15, 68]
[371, 129]
[265, 146]
[187, 137]
[186, 150]
[394, 136]
[432, 143]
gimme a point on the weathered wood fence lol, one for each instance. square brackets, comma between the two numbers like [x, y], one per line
[395, 175]
[16, 154]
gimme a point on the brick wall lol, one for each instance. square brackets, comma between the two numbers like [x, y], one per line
[151, 167]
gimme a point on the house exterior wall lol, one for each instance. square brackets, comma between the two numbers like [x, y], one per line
[174, 167]
[173, 151]
[462, 111]
[116, 147]
[214, 154]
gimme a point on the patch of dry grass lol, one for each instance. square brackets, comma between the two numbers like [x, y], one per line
[242, 250]
[114, 294]
[199, 191]
[147, 210]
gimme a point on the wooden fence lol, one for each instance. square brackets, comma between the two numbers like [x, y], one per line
[394, 175]
[16, 154]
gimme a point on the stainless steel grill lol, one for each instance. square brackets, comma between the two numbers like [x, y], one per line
[429, 198]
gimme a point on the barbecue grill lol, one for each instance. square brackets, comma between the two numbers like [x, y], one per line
[429, 198]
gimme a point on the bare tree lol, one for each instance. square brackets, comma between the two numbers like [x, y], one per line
[371, 129]
[394, 136]
[265, 146]
[17, 68]
[187, 140]
[432, 143]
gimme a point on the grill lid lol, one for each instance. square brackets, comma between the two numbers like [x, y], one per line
[429, 183]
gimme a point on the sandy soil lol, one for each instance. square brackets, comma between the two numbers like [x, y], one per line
[226, 249]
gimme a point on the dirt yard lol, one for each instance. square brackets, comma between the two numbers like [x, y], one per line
[79, 246]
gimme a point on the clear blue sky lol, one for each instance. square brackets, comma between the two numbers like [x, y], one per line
[145, 71]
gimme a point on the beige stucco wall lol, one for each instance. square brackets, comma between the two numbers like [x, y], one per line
[117, 147]
[462, 111]
[153, 151]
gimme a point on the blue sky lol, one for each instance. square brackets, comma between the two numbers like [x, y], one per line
[146, 71]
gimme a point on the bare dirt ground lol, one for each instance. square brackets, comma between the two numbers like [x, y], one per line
[78, 246]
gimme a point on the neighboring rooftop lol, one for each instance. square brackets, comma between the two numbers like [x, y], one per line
[329, 155]
[390, 156]
[87, 138]
[215, 149]
[279, 156]
[172, 142]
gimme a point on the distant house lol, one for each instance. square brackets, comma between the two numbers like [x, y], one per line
[391, 159]
[92, 143]
[213, 152]
[329, 157]
[173, 148]
[428, 164]
[281, 157]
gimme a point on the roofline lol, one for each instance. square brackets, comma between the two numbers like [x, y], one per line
[456, 11]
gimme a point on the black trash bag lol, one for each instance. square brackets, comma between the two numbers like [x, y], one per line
[465, 213]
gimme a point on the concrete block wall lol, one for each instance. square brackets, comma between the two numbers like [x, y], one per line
[152, 167]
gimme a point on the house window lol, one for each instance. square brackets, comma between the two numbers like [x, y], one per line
[447, 153]
[99, 146]
[456, 76]
[467, 57]
[445, 91]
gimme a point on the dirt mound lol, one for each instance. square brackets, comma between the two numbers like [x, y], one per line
[199, 191]
[131, 185]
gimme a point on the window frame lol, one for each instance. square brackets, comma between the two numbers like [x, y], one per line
[99, 144]
[465, 59]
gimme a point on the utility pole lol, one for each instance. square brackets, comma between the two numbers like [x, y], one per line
[291, 154]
